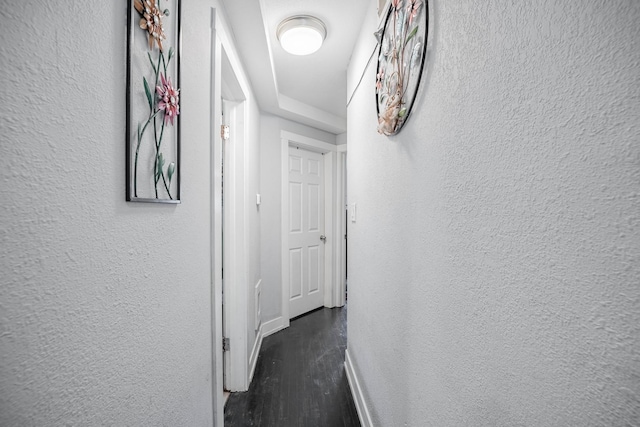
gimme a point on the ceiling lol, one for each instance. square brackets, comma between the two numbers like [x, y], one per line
[308, 89]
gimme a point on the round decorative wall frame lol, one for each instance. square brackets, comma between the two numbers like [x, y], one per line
[401, 58]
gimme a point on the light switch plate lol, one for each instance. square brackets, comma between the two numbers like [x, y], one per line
[258, 199]
[353, 212]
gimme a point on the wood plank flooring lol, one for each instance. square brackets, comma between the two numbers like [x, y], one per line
[300, 379]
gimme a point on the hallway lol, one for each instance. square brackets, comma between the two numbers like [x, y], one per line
[493, 243]
[300, 378]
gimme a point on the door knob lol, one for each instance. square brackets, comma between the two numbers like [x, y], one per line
[323, 238]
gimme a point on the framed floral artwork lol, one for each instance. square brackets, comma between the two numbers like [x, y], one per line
[153, 101]
[401, 57]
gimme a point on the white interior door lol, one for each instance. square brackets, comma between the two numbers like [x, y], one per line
[306, 231]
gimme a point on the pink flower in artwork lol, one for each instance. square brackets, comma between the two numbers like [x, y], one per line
[169, 99]
[396, 4]
[413, 7]
[151, 21]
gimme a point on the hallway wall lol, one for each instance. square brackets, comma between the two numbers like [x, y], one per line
[495, 260]
[104, 305]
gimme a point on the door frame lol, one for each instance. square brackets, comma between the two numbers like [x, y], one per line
[229, 83]
[216, 221]
[333, 197]
[234, 247]
[341, 226]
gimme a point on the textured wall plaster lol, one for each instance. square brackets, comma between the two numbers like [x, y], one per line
[104, 305]
[494, 266]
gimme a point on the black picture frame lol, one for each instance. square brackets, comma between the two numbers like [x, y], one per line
[153, 167]
[401, 58]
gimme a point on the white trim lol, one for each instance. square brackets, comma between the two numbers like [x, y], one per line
[266, 329]
[284, 225]
[329, 231]
[273, 326]
[356, 392]
[229, 81]
[291, 139]
[340, 221]
[235, 247]
[216, 224]
[311, 144]
[257, 301]
[253, 360]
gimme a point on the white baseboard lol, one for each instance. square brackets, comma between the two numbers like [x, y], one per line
[273, 326]
[265, 329]
[356, 392]
[253, 359]
[258, 305]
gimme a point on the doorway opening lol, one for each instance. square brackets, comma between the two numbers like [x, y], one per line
[233, 246]
[313, 216]
[306, 230]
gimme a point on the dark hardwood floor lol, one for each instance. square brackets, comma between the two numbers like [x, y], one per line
[300, 380]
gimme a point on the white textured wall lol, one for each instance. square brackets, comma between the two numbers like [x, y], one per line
[270, 209]
[104, 305]
[494, 267]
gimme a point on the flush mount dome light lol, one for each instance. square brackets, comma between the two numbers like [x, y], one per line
[301, 35]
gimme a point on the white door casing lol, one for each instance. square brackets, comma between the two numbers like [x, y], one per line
[333, 219]
[306, 231]
[341, 228]
[232, 90]
[216, 221]
[235, 253]
[225, 231]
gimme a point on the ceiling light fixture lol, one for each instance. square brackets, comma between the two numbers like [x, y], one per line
[301, 35]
